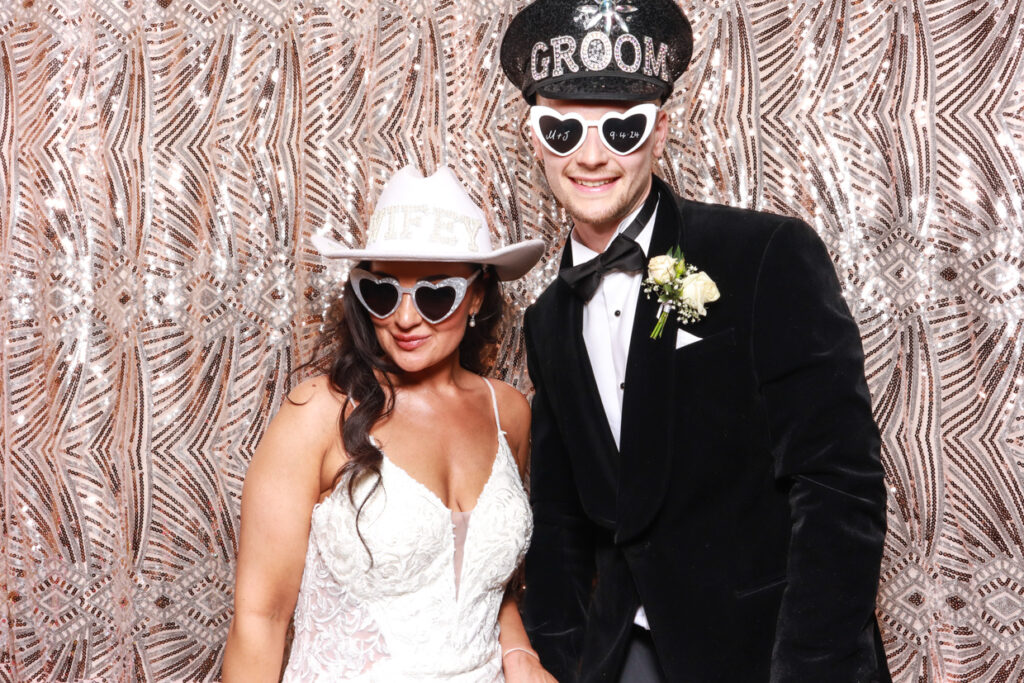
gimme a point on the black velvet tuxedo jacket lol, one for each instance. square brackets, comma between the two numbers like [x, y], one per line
[746, 508]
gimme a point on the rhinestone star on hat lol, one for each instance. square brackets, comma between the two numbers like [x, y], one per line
[607, 11]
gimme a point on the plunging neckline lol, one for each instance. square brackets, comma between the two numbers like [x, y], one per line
[431, 495]
[459, 554]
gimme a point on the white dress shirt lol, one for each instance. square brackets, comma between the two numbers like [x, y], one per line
[607, 327]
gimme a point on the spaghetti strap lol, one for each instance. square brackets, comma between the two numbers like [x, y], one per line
[494, 403]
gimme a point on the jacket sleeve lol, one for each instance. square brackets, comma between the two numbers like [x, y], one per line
[810, 365]
[560, 563]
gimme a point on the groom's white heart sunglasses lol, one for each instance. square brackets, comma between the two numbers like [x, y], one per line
[434, 301]
[622, 133]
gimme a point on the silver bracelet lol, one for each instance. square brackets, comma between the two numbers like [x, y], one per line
[509, 651]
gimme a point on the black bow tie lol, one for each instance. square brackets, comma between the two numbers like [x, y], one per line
[623, 254]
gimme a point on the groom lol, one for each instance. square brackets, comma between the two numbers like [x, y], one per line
[709, 503]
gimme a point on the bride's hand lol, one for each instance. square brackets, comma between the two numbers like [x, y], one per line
[523, 667]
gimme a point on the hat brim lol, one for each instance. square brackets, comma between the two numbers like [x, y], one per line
[510, 263]
[610, 87]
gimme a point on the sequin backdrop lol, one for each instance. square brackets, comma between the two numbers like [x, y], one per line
[162, 164]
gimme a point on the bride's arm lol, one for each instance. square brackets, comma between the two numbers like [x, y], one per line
[518, 658]
[281, 487]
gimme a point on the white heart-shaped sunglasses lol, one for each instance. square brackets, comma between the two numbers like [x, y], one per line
[621, 132]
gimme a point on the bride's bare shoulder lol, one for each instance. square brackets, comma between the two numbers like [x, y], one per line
[514, 412]
[297, 443]
[511, 401]
[317, 391]
[315, 402]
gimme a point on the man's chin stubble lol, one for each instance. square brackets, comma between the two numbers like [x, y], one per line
[613, 215]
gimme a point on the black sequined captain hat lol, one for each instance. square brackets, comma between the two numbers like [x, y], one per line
[631, 50]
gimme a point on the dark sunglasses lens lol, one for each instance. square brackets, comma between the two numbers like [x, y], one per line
[380, 297]
[622, 135]
[559, 135]
[435, 304]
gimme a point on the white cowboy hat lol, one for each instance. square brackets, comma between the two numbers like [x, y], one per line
[433, 219]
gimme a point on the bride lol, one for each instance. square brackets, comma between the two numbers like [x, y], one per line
[384, 507]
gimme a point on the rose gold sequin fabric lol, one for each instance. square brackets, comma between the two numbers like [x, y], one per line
[163, 163]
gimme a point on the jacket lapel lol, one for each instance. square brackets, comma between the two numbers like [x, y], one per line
[650, 397]
[588, 437]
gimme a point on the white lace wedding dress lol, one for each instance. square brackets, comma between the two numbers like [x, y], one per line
[414, 614]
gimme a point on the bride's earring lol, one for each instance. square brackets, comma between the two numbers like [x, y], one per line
[472, 319]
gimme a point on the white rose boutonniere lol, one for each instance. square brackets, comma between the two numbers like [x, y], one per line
[680, 287]
[662, 269]
[698, 289]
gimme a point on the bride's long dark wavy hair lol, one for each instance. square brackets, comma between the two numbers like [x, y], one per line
[353, 360]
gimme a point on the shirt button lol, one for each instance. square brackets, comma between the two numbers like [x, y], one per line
[618, 313]
[622, 385]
